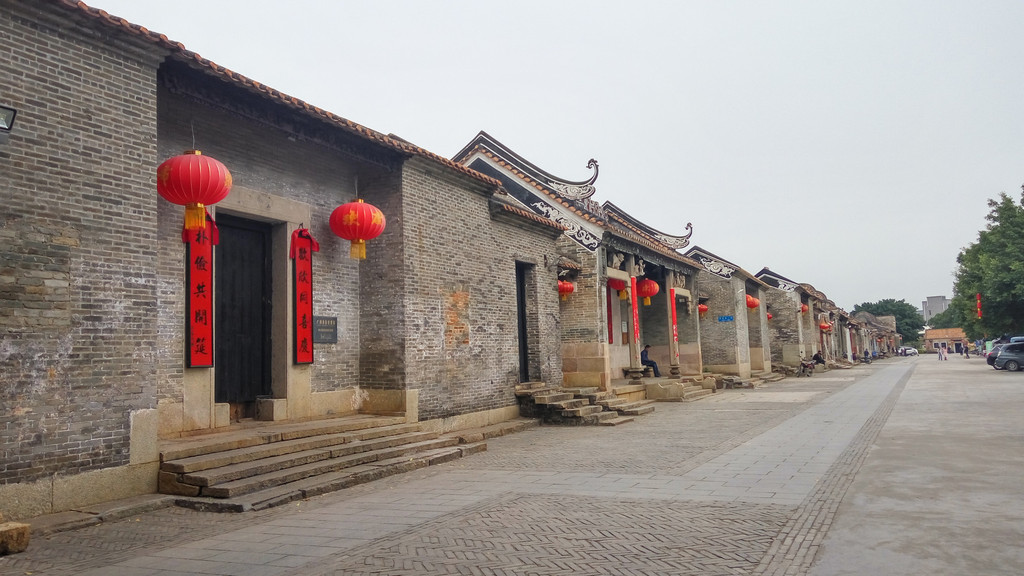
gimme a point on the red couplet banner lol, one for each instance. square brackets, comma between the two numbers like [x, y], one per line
[199, 279]
[675, 324]
[636, 318]
[301, 252]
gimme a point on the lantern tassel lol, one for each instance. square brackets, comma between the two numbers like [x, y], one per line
[565, 297]
[358, 250]
[195, 216]
[647, 301]
[623, 295]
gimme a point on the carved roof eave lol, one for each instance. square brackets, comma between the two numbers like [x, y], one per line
[651, 252]
[746, 276]
[486, 141]
[670, 241]
[779, 277]
[506, 212]
[532, 183]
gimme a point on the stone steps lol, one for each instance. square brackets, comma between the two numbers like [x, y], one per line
[637, 408]
[231, 456]
[692, 393]
[272, 464]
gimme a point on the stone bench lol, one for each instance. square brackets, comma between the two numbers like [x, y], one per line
[648, 372]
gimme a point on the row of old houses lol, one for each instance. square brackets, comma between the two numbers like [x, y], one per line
[107, 350]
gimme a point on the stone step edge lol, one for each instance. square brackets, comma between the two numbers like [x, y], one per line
[278, 448]
[330, 482]
[279, 477]
[258, 466]
[223, 441]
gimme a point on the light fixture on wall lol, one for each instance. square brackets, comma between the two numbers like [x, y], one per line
[7, 115]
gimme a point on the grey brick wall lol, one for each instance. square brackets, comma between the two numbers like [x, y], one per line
[78, 291]
[723, 342]
[263, 158]
[784, 327]
[460, 329]
[583, 313]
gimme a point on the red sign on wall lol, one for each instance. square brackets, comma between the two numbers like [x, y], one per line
[199, 279]
[301, 252]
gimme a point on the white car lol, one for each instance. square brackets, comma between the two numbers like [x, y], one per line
[909, 351]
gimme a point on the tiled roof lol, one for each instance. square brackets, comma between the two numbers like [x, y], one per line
[178, 50]
[941, 333]
[532, 183]
[535, 217]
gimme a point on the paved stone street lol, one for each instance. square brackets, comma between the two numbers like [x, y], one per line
[906, 466]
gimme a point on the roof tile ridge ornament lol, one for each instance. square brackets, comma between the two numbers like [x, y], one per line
[675, 242]
[577, 190]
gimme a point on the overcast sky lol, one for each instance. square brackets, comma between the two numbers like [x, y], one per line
[850, 145]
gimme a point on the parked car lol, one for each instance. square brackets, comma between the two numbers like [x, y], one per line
[991, 356]
[909, 351]
[1010, 357]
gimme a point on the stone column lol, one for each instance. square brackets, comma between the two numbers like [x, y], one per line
[673, 340]
[636, 370]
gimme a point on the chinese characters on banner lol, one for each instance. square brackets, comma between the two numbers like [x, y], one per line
[301, 252]
[199, 325]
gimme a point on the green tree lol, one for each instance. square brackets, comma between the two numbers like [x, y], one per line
[994, 268]
[948, 318]
[908, 322]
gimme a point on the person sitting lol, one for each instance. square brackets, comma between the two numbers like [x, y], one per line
[646, 361]
[818, 358]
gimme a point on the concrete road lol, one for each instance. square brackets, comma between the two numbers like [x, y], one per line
[906, 466]
[942, 490]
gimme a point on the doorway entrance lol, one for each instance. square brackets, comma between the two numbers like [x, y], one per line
[524, 334]
[242, 287]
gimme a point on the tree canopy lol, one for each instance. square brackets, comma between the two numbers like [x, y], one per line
[908, 322]
[993, 267]
[948, 318]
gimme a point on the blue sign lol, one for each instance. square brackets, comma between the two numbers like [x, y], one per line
[725, 318]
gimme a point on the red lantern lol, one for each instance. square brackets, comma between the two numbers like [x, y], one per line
[620, 285]
[193, 181]
[752, 302]
[769, 315]
[565, 288]
[647, 288]
[702, 309]
[825, 326]
[803, 308]
[357, 222]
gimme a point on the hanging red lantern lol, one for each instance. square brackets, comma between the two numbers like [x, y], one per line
[357, 222]
[769, 315]
[803, 308]
[825, 327]
[565, 288]
[620, 285]
[193, 181]
[752, 302]
[702, 309]
[647, 288]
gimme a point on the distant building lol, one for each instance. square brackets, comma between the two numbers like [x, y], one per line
[952, 339]
[934, 305]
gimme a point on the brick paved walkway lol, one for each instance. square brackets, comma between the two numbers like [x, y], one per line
[744, 482]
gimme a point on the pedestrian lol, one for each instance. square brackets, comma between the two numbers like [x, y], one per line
[646, 361]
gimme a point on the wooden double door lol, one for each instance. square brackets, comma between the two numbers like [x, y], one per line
[242, 287]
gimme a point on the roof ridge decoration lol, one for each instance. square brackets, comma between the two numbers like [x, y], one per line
[714, 264]
[715, 267]
[670, 241]
[784, 283]
[577, 190]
